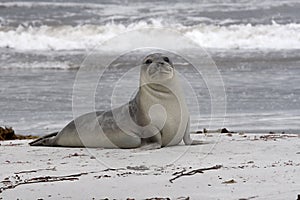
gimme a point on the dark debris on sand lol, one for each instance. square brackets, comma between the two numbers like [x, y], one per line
[7, 133]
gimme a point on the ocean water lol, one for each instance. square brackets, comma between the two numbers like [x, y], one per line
[254, 44]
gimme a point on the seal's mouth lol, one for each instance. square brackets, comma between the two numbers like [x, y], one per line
[165, 71]
[162, 75]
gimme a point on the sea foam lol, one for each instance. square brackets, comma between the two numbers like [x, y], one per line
[86, 37]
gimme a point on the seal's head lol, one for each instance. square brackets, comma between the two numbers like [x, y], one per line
[157, 67]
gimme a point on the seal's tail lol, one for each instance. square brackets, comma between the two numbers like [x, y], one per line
[44, 141]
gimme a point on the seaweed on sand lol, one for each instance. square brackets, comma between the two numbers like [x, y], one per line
[7, 133]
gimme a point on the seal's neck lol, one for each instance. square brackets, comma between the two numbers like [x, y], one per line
[156, 88]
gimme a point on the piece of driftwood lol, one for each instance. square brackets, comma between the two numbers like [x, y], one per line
[35, 170]
[192, 172]
[231, 181]
[43, 179]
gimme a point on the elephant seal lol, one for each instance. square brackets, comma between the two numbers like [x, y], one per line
[157, 117]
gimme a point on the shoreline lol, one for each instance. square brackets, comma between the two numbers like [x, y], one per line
[254, 166]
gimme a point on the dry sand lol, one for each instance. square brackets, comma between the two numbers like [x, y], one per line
[254, 166]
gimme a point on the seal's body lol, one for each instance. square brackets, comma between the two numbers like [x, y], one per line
[156, 117]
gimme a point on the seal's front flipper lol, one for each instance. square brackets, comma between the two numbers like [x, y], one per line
[150, 146]
[151, 143]
[44, 141]
[187, 137]
[188, 141]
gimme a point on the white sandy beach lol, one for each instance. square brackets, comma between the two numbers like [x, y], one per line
[254, 166]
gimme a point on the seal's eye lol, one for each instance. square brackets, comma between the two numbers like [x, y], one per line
[148, 61]
[166, 59]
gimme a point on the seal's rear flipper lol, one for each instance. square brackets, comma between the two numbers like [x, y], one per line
[44, 141]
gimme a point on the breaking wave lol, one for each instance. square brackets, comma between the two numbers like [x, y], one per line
[86, 37]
